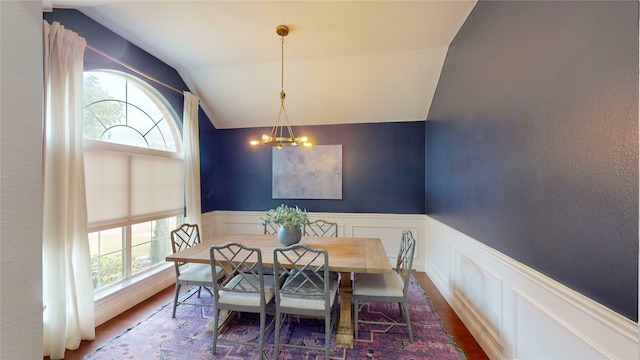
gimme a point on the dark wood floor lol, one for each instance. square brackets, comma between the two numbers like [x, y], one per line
[115, 326]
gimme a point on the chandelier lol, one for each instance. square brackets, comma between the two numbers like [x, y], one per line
[281, 133]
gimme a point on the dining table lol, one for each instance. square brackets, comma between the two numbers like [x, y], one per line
[347, 256]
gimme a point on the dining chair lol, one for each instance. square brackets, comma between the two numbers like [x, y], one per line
[190, 274]
[244, 288]
[271, 229]
[307, 289]
[392, 286]
[321, 228]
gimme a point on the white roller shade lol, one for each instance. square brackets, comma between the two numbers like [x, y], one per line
[126, 187]
[157, 185]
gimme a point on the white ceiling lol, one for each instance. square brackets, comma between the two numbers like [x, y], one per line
[344, 61]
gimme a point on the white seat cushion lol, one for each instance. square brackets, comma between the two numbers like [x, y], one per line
[388, 284]
[247, 299]
[303, 302]
[196, 272]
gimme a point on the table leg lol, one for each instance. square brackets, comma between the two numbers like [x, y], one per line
[223, 321]
[344, 335]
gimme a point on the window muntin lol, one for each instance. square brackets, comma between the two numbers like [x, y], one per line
[122, 109]
[125, 115]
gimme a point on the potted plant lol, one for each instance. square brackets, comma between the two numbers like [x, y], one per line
[291, 221]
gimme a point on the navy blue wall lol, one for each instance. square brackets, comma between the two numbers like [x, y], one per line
[382, 169]
[532, 141]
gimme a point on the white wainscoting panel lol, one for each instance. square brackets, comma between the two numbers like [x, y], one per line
[540, 334]
[481, 292]
[438, 255]
[515, 312]
[387, 227]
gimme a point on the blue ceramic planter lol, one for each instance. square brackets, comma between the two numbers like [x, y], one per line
[288, 237]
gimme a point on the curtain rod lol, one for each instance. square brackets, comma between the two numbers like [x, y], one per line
[133, 69]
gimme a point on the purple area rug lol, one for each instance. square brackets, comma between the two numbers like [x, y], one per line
[186, 336]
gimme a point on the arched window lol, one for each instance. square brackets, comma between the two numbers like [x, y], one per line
[133, 174]
[122, 109]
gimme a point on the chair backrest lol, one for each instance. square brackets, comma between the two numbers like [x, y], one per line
[405, 258]
[242, 268]
[321, 228]
[184, 237]
[305, 272]
[271, 229]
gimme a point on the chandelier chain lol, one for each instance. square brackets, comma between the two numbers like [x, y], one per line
[282, 68]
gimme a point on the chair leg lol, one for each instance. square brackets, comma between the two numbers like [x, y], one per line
[175, 300]
[405, 308]
[276, 343]
[356, 310]
[263, 320]
[216, 316]
[199, 289]
[327, 335]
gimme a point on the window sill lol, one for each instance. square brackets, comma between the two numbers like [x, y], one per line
[117, 299]
[126, 284]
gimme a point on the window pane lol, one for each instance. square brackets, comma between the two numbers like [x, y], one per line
[114, 85]
[94, 245]
[139, 120]
[141, 233]
[141, 238]
[124, 135]
[140, 259]
[165, 128]
[156, 140]
[150, 244]
[110, 241]
[110, 270]
[142, 99]
[106, 257]
[161, 242]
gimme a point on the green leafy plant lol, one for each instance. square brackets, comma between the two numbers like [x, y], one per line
[289, 217]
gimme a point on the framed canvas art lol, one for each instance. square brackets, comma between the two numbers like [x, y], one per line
[307, 173]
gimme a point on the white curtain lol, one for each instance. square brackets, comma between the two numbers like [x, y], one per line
[191, 150]
[67, 289]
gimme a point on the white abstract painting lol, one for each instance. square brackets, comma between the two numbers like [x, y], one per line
[307, 173]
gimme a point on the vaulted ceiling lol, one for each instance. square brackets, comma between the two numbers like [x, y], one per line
[344, 61]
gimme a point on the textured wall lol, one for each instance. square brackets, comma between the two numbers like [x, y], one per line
[21, 179]
[382, 169]
[532, 141]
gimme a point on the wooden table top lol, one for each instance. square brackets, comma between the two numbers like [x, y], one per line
[346, 254]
